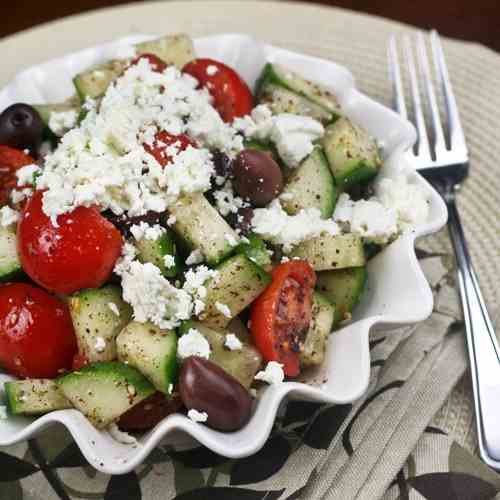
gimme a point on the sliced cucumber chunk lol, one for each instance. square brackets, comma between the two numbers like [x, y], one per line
[34, 397]
[284, 77]
[323, 313]
[343, 288]
[239, 282]
[105, 391]
[98, 315]
[10, 265]
[152, 351]
[256, 250]
[200, 225]
[331, 252]
[172, 49]
[352, 153]
[155, 251]
[311, 185]
[281, 100]
[71, 105]
[242, 364]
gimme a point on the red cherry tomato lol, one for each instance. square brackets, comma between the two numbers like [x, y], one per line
[281, 315]
[11, 160]
[79, 361]
[80, 253]
[156, 63]
[36, 333]
[149, 412]
[162, 141]
[231, 94]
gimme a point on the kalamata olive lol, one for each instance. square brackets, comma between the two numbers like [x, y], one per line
[222, 164]
[149, 412]
[21, 127]
[257, 177]
[241, 220]
[206, 387]
[123, 222]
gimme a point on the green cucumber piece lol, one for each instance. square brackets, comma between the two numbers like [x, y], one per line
[343, 288]
[238, 284]
[96, 323]
[172, 49]
[152, 351]
[352, 153]
[34, 397]
[323, 313]
[311, 185]
[256, 250]
[288, 79]
[105, 391]
[200, 225]
[155, 251]
[331, 252]
[281, 100]
[45, 110]
[10, 265]
[241, 364]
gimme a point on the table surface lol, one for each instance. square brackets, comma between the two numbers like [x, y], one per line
[475, 21]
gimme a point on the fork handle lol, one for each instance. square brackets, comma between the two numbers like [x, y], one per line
[484, 352]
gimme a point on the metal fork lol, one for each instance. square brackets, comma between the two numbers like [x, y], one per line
[443, 159]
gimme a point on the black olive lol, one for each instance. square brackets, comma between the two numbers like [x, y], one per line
[222, 163]
[257, 177]
[21, 127]
[241, 220]
[123, 222]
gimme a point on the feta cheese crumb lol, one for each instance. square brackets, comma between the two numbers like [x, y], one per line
[232, 342]
[169, 261]
[143, 231]
[120, 436]
[25, 175]
[273, 374]
[193, 343]
[197, 416]
[114, 309]
[8, 216]
[212, 70]
[194, 285]
[226, 201]
[62, 121]
[100, 344]
[195, 257]
[275, 225]
[223, 309]
[171, 220]
[231, 239]
[170, 388]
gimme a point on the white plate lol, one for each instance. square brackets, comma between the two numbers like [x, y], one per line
[397, 294]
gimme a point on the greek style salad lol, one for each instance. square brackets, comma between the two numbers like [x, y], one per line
[171, 241]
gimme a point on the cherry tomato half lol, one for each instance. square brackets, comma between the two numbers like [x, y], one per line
[79, 253]
[162, 141]
[11, 160]
[281, 315]
[36, 333]
[156, 63]
[231, 94]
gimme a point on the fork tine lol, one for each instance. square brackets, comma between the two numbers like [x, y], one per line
[457, 137]
[395, 76]
[423, 149]
[439, 141]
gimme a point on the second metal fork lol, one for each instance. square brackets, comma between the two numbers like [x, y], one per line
[443, 159]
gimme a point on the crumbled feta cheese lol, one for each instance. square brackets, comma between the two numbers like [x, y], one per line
[151, 296]
[231, 239]
[169, 261]
[232, 342]
[195, 257]
[193, 343]
[273, 374]
[144, 231]
[26, 175]
[292, 134]
[19, 195]
[120, 436]
[275, 225]
[408, 200]
[8, 216]
[194, 285]
[223, 309]
[100, 344]
[62, 121]
[171, 220]
[225, 200]
[286, 196]
[114, 309]
[3, 412]
[212, 70]
[197, 416]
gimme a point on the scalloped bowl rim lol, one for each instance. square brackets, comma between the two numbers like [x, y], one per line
[349, 371]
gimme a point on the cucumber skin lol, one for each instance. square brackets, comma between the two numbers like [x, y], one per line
[11, 269]
[256, 251]
[165, 246]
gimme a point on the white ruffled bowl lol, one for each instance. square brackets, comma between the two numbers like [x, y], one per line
[397, 294]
